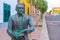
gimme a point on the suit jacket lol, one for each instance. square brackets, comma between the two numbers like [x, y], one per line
[14, 24]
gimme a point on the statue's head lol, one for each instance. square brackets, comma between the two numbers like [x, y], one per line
[20, 8]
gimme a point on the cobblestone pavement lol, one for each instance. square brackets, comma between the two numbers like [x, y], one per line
[34, 35]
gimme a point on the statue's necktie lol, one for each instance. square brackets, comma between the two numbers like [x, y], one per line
[21, 23]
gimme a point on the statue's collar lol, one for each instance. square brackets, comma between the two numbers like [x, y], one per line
[20, 14]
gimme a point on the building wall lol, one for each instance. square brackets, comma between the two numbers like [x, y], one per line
[10, 2]
[1, 11]
[27, 5]
[56, 10]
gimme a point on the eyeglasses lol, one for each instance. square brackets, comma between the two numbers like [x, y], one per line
[20, 8]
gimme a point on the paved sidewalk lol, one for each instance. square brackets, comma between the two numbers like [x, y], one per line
[33, 35]
[36, 34]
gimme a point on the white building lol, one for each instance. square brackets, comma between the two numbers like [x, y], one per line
[7, 8]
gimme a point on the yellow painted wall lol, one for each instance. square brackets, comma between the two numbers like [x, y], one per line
[26, 5]
[22, 1]
[56, 10]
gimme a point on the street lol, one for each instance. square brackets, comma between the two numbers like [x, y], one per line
[53, 27]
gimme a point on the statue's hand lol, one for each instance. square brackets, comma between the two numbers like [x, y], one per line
[23, 31]
[16, 34]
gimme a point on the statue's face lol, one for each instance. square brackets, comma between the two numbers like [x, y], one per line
[20, 9]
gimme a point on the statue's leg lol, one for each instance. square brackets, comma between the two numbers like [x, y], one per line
[22, 38]
[13, 38]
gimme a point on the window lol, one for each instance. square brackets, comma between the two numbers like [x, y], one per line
[6, 12]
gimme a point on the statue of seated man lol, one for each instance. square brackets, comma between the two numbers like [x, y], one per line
[20, 24]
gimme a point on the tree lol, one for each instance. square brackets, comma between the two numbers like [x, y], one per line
[42, 5]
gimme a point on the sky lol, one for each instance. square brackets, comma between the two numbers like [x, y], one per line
[52, 4]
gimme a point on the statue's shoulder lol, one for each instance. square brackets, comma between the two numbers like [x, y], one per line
[14, 16]
[25, 15]
[28, 17]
